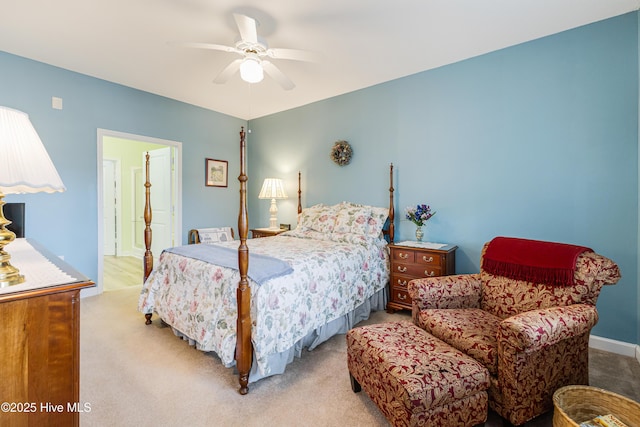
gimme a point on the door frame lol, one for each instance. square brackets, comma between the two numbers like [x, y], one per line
[117, 193]
[177, 178]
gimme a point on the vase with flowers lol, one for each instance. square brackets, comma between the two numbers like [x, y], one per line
[419, 215]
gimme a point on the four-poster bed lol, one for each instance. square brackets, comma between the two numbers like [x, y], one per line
[294, 291]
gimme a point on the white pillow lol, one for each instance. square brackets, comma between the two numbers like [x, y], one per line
[215, 235]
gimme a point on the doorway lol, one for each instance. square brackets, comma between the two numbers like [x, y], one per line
[121, 177]
[111, 197]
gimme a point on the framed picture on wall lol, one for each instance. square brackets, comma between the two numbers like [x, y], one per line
[216, 173]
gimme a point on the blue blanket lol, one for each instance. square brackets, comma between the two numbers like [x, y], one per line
[261, 267]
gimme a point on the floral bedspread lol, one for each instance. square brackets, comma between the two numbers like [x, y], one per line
[331, 277]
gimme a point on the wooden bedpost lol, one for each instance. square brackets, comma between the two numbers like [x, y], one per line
[244, 350]
[299, 194]
[148, 256]
[392, 227]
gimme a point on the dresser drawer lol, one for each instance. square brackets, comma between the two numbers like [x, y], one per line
[416, 270]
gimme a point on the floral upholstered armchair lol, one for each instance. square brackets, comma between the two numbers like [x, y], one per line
[526, 317]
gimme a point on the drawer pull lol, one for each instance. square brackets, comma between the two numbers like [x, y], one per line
[425, 259]
[402, 269]
[402, 282]
[429, 273]
[402, 297]
[403, 255]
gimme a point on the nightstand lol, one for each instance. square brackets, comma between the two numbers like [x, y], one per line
[414, 260]
[266, 232]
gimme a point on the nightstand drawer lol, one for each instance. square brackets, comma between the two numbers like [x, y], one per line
[399, 281]
[428, 259]
[415, 270]
[401, 296]
[407, 256]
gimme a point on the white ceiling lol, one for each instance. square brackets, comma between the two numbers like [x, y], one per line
[361, 42]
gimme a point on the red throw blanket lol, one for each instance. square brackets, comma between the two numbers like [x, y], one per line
[532, 260]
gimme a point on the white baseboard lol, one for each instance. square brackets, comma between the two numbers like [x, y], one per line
[134, 253]
[613, 346]
[89, 292]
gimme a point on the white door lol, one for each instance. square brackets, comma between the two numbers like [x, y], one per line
[109, 200]
[160, 176]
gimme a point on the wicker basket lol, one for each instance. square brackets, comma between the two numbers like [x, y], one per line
[576, 403]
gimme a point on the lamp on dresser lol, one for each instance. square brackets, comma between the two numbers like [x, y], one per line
[272, 188]
[25, 167]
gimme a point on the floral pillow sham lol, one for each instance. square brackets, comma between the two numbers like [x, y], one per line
[319, 217]
[343, 218]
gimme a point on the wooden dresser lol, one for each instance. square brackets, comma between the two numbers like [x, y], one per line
[40, 341]
[413, 260]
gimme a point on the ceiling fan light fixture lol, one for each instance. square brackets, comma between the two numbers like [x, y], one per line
[255, 56]
[251, 70]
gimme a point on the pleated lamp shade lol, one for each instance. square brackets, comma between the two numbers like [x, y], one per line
[272, 188]
[25, 165]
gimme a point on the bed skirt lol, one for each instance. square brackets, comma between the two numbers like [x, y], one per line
[277, 362]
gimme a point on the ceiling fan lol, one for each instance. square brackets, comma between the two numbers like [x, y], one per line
[255, 55]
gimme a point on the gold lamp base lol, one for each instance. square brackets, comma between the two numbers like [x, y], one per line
[9, 275]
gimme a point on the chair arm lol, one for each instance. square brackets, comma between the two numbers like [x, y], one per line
[457, 291]
[537, 329]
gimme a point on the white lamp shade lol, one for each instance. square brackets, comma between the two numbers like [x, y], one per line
[25, 165]
[251, 70]
[272, 188]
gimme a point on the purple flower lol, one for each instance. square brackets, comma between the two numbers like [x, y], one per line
[420, 214]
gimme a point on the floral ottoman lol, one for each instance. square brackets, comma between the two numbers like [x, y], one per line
[416, 379]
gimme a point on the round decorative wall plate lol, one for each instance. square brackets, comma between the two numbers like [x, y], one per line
[341, 153]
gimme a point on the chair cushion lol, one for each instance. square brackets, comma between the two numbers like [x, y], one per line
[470, 330]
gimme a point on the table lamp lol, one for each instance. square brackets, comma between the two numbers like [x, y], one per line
[25, 167]
[273, 189]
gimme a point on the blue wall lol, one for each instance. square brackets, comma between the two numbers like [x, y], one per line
[67, 223]
[538, 141]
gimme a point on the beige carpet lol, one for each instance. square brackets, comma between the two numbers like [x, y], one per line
[137, 375]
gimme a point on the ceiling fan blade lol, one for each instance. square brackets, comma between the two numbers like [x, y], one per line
[210, 46]
[278, 75]
[247, 27]
[293, 54]
[229, 71]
